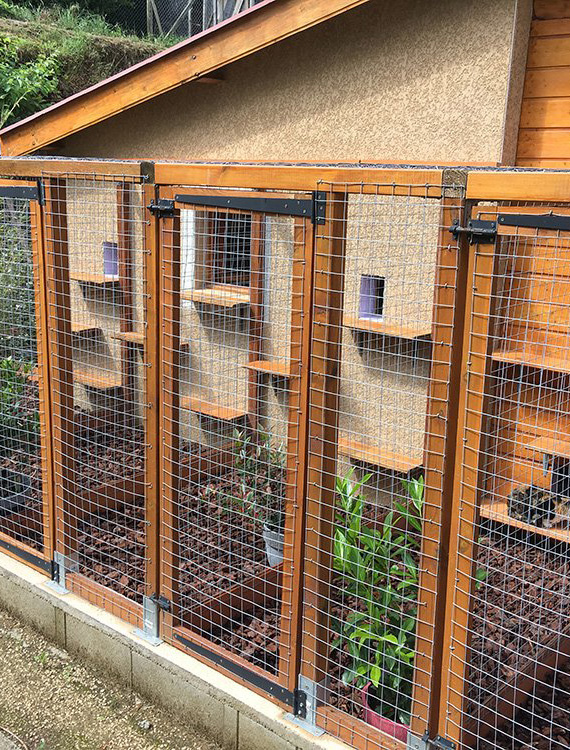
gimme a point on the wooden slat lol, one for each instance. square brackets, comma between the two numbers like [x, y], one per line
[105, 598]
[498, 511]
[85, 329]
[518, 186]
[546, 52]
[201, 55]
[355, 732]
[533, 358]
[546, 82]
[546, 143]
[210, 409]
[39, 263]
[222, 295]
[131, 337]
[549, 112]
[302, 279]
[61, 362]
[467, 479]
[328, 295]
[36, 167]
[551, 9]
[376, 181]
[280, 369]
[98, 279]
[387, 329]
[377, 456]
[97, 380]
[550, 27]
[450, 289]
[552, 446]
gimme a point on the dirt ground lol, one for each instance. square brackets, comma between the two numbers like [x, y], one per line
[51, 701]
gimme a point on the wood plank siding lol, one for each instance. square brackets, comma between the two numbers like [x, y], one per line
[544, 135]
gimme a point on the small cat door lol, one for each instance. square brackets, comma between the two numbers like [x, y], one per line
[372, 297]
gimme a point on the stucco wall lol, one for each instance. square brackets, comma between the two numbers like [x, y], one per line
[417, 80]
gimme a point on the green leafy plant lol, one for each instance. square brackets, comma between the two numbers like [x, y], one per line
[19, 426]
[261, 469]
[378, 567]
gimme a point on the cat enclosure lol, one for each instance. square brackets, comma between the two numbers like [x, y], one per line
[308, 424]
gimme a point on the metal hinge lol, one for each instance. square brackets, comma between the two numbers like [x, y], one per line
[162, 208]
[162, 602]
[477, 230]
[440, 743]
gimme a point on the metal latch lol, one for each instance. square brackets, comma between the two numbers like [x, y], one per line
[478, 231]
[161, 602]
[162, 208]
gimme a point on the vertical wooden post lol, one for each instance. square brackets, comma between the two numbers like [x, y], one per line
[169, 356]
[125, 194]
[152, 388]
[439, 459]
[41, 309]
[464, 516]
[292, 585]
[61, 363]
[256, 290]
[329, 257]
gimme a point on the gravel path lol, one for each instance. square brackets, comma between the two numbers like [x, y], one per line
[53, 702]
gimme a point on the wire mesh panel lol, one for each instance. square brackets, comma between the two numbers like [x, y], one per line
[381, 410]
[235, 338]
[25, 522]
[509, 684]
[99, 346]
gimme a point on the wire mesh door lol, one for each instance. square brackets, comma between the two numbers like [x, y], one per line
[25, 470]
[101, 393]
[382, 413]
[236, 283]
[509, 672]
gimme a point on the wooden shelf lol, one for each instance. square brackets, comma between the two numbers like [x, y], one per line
[100, 381]
[498, 511]
[552, 446]
[80, 329]
[386, 329]
[96, 279]
[533, 359]
[131, 337]
[371, 454]
[208, 409]
[280, 369]
[221, 295]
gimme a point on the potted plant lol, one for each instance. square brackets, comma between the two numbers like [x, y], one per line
[262, 479]
[378, 568]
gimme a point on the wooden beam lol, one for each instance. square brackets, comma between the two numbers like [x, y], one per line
[266, 24]
[38, 167]
[518, 186]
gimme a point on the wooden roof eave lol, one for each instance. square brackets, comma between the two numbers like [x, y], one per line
[266, 23]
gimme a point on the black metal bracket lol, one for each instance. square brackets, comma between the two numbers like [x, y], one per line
[22, 192]
[300, 704]
[161, 602]
[477, 230]
[551, 221]
[162, 209]
[313, 208]
[440, 743]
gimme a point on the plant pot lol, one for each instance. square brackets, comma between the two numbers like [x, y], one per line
[389, 727]
[14, 491]
[273, 545]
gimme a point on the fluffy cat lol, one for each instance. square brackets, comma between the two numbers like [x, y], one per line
[538, 507]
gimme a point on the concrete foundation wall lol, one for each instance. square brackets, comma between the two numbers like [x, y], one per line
[232, 715]
[426, 81]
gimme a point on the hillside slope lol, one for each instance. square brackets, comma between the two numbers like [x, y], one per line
[54, 53]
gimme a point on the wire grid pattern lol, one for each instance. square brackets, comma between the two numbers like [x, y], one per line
[95, 248]
[232, 329]
[21, 405]
[515, 674]
[374, 507]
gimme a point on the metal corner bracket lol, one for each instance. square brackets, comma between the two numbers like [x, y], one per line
[150, 629]
[62, 564]
[305, 709]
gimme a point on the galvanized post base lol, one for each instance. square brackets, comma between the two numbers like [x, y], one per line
[61, 565]
[305, 710]
[149, 631]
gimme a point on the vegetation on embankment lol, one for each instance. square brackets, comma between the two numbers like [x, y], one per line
[49, 53]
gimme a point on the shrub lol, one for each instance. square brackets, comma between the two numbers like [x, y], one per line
[19, 425]
[378, 568]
